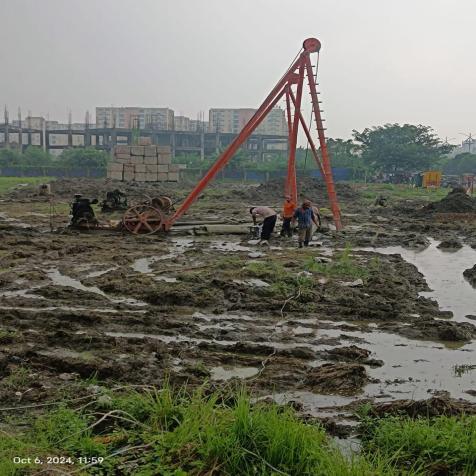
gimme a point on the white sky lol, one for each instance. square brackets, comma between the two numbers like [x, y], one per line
[381, 60]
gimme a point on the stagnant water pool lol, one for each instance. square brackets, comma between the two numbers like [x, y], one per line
[443, 271]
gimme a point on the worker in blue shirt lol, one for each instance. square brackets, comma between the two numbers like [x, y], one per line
[305, 216]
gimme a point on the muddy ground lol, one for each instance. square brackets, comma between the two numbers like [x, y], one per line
[326, 328]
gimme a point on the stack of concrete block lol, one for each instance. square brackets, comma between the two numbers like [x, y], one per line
[139, 163]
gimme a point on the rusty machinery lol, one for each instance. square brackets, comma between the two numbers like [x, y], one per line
[158, 215]
[149, 216]
[82, 213]
[144, 217]
[115, 200]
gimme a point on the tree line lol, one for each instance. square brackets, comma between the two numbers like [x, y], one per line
[391, 148]
[35, 156]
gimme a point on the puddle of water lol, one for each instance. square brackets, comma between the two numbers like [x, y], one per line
[222, 317]
[303, 331]
[14, 221]
[257, 283]
[69, 308]
[142, 265]
[228, 246]
[419, 366]
[167, 279]
[96, 274]
[166, 338]
[443, 271]
[63, 280]
[227, 373]
[312, 401]
[24, 293]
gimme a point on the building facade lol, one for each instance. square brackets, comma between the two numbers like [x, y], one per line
[182, 123]
[233, 121]
[157, 118]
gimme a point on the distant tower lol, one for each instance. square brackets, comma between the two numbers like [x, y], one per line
[469, 140]
[7, 135]
[20, 132]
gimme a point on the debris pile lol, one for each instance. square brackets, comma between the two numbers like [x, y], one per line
[338, 379]
[308, 187]
[139, 163]
[437, 405]
[457, 201]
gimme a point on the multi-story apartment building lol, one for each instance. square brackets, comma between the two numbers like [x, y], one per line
[158, 118]
[197, 125]
[233, 121]
[182, 123]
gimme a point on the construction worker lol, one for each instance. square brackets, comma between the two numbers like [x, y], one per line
[305, 217]
[288, 212]
[269, 221]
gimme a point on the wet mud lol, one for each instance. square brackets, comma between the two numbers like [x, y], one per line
[362, 315]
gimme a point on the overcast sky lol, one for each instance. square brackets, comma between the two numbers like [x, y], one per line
[381, 60]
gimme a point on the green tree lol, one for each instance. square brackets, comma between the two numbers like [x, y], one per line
[464, 163]
[9, 157]
[33, 156]
[395, 147]
[83, 157]
[36, 156]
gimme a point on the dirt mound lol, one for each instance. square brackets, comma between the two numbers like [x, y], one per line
[455, 202]
[349, 353]
[439, 405]
[470, 275]
[311, 188]
[341, 379]
[450, 244]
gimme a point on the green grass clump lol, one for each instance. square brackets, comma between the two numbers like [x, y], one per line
[343, 266]
[67, 430]
[18, 378]
[271, 270]
[179, 433]
[7, 183]
[401, 192]
[166, 432]
[240, 439]
[461, 369]
[441, 445]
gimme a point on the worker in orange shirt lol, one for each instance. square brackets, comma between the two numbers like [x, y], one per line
[287, 214]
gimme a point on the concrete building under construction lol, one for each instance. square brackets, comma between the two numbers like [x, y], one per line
[233, 120]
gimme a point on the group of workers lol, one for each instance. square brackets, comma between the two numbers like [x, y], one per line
[306, 215]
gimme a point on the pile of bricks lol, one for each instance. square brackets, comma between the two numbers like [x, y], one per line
[143, 163]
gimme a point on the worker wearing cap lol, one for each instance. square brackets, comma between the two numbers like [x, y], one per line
[269, 221]
[305, 217]
[288, 212]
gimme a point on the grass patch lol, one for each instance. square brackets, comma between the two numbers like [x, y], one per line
[441, 445]
[270, 270]
[7, 336]
[460, 370]
[344, 265]
[401, 192]
[161, 432]
[7, 183]
[19, 378]
[166, 432]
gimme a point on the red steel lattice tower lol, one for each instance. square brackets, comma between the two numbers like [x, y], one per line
[291, 87]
